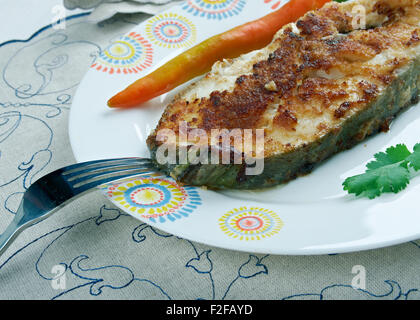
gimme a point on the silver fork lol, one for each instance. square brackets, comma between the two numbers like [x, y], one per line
[56, 189]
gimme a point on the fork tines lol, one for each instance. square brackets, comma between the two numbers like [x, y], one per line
[104, 171]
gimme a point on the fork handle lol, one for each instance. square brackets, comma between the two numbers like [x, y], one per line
[7, 237]
[14, 229]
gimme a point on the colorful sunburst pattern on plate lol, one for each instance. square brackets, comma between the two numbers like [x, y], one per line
[250, 223]
[158, 199]
[214, 9]
[130, 54]
[171, 30]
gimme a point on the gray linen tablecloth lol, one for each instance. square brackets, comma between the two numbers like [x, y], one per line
[107, 254]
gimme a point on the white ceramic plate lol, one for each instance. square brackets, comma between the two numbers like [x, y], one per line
[311, 215]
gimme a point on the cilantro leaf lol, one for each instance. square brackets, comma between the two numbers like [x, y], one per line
[362, 183]
[392, 155]
[390, 178]
[393, 178]
[389, 172]
[414, 158]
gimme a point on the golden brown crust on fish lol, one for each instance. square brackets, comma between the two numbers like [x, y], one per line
[320, 68]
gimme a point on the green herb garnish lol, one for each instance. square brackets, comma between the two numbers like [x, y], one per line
[390, 172]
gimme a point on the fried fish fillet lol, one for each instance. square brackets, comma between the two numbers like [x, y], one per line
[325, 83]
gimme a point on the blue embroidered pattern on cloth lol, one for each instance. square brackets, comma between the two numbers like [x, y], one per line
[104, 252]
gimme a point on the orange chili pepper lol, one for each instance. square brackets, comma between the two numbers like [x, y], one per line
[199, 59]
